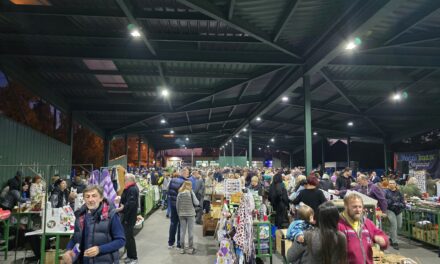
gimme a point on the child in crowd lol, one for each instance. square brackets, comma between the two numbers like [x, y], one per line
[303, 222]
[185, 203]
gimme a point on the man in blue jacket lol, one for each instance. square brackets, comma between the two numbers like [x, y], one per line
[173, 190]
[98, 230]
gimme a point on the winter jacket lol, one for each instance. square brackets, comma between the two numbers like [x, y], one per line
[199, 189]
[14, 184]
[78, 186]
[59, 198]
[343, 183]
[359, 245]
[173, 188]
[100, 228]
[11, 199]
[185, 203]
[374, 192]
[130, 200]
[218, 176]
[325, 185]
[296, 229]
[395, 201]
[299, 253]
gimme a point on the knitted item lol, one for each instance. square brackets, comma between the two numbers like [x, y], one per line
[109, 190]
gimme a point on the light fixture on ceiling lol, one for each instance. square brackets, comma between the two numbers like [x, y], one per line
[230, 140]
[187, 139]
[399, 96]
[272, 139]
[267, 146]
[244, 129]
[163, 121]
[236, 136]
[350, 124]
[353, 44]
[171, 131]
[315, 133]
[259, 148]
[165, 92]
[258, 118]
[135, 33]
[285, 99]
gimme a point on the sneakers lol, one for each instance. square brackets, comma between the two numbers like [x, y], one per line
[182, 251]
[133, 261]
[191, 251]
[171, 247]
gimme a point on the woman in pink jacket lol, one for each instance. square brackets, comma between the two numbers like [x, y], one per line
[360, 232]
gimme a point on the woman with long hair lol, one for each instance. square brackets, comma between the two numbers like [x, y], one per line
[185, 203]
[279, 200]
[324, 244]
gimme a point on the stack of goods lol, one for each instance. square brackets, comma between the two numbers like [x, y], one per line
[379, 257]
[426, 231]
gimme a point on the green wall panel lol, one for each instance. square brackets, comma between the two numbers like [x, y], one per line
[23, 145]
[227, 161]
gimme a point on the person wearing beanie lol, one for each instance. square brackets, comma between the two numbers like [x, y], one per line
[325, 183]
[15, 182]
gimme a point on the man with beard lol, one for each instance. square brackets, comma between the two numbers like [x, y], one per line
[359, 231]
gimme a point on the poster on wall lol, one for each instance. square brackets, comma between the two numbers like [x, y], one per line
[427, 161]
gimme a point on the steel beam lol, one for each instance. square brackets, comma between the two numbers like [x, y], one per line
[288, 13]
[210, 10]
[307, 125]
[388, 61]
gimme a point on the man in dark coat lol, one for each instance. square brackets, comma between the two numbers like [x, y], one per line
[128, 210]
[173, 190]
[15, 183]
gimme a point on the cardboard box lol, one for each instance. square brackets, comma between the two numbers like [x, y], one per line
[282, 243]
[209, 224]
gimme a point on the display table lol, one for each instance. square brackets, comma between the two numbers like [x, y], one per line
[5, 247]
[425, 232]
[28, 215]
[56, 234]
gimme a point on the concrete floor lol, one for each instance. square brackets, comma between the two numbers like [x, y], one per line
[152, 247]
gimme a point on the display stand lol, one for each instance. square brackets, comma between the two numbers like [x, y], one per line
[5, 247]
[263, 239]
[428, 233]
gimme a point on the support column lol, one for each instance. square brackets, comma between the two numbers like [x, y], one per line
[348, 152]
[139, 151]
[323, 154]
[107, 139]
[70, 136]
[192, 157]
[250, 148]
[385, 150]
[232, 149]
[307, 125]
[148, 154]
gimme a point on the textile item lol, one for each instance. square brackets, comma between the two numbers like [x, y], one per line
[244, 236]
[109, 191]
[225, 253]
[94, 178]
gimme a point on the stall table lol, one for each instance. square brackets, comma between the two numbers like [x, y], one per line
[56, 234]
[5, 247]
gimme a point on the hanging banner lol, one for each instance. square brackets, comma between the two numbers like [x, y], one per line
[423, 160]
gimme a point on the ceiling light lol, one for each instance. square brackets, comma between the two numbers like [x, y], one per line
[259, 148]
[236, 136]
[285, 98]
[267, 146]
[135, 33]
[226, 144]
[185, 147]
[353, 44]
[315, 133]
[171, 131]
[244, 129]
[187, 139]
[162, 121]
[350, 124]
[272, 139]
[258, 118]
[165, 93]
[230, 140]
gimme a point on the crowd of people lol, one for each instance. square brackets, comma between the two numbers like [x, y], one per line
[296, 201]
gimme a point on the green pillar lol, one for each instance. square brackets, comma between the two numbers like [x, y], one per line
[307, 125]
[348, 152]
[250, 148]
[232, 149]
[385, 152]
[139, 151]
[323, 154]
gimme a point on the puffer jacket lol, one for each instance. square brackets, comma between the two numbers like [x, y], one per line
[173, 188]
[11, 199]
[395, 201]
[359, 245]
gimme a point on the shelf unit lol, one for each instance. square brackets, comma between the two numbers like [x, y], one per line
[263, 239]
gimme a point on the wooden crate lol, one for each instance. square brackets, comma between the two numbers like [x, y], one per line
[281, 242]
[209, 224]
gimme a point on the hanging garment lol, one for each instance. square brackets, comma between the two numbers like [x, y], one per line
[225, 254]
[244, 236]
[94, 177]
[109, 191]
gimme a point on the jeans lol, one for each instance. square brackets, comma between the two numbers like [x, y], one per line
[164, 197]
[130, 243]
[395, 223]
[174, 227]
[186, 222]
[168, 206]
